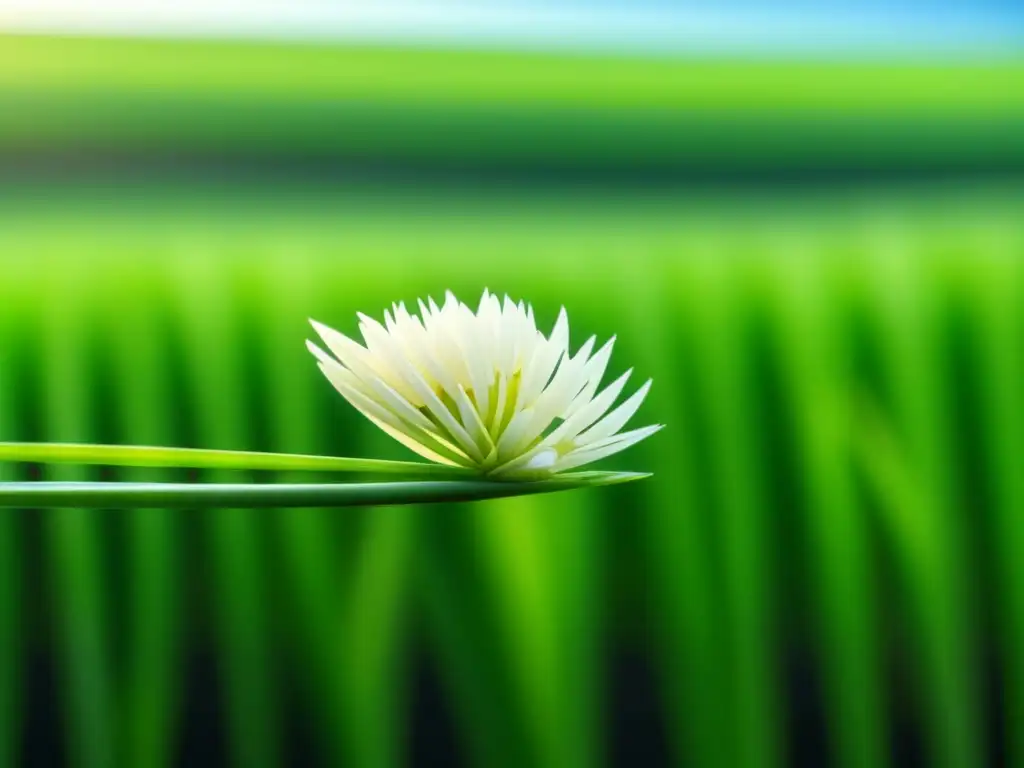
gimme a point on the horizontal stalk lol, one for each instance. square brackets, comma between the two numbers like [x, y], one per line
[191, 495]
[198, 458]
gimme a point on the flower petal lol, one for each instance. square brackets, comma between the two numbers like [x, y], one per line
[546, 356]
[595, 452]
[615, 420]
[589, 413]
[417, 447]
[472, 422]
[593, 372]
[379, 414]
[482, 388]
[553, 401]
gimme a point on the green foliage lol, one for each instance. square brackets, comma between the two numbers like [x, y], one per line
[837, 488]
[318, 104]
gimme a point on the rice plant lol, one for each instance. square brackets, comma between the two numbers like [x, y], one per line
[824, 569]
[830, 520]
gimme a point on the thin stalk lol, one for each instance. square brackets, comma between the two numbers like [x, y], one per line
[219, 396]
[839, 557]
[311, 571]
[740, 494]
[676, 532]
[197, 458]
[930, 542]
[73, 537]
[152, 689]
[39, 495]
[998, 357]
[12, 641]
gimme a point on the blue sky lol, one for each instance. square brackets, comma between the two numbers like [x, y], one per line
[823, 27]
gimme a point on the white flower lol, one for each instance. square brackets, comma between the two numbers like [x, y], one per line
[484, 390]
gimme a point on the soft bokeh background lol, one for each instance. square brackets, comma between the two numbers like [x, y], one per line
[806, 223]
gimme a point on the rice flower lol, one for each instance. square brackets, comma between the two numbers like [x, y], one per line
[485, 390]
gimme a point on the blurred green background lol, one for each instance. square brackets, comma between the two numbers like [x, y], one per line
[818, 263]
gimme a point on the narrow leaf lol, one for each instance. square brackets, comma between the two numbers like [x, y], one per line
[197, 458]
[38, 495]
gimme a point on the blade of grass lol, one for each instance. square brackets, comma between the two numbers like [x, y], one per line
[490, 727]
[514, 540]
[221, 399]
[152, 651]
[909, 296]
[486, 572]
[690, 632]
[311, 573]
[740, 493]
[197, 458]
[580, 534]
[575, 531]
[75, 548]
[372, 645]
[352, 609]
[97, 495]
[996, 344]
[373, 650]
[814, 369]
[12, 618]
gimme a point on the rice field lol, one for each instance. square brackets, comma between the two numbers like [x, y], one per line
[476, 111]
[825, 567]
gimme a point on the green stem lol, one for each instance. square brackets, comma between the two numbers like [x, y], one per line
[196, 458]
[37, 495]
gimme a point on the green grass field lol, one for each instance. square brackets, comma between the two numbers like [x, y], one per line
[826, 566]
[501, 111]
[837, 485]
